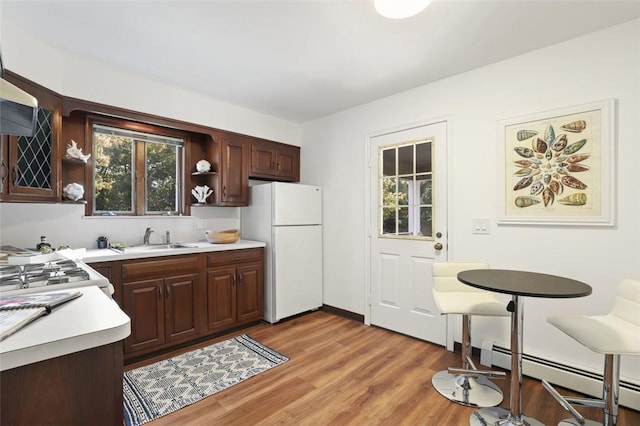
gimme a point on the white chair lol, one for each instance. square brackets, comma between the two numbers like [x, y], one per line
[466, 385]
[614, 334]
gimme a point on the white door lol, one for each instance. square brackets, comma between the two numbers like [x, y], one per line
[408, 209]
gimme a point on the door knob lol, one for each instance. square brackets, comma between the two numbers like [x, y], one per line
[438, 246]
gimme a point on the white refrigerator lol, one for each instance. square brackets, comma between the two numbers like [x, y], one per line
[288, 218]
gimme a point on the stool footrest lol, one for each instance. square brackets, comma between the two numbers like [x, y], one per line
[586, 402]
[486, 373]
[565, 404]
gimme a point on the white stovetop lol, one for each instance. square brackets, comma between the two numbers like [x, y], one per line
[89, 321]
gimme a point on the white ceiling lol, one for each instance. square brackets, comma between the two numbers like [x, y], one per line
[303, 59]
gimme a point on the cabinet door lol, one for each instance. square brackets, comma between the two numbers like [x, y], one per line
[263, 159]
[288, 163]
[221, 298]
[181, 320]
[250, 293]
[144, 302]
[234, 171]
[33, 162]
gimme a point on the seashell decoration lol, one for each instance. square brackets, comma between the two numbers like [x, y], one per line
[572, 182]
[577, 199]
[74, 152]
[523, 183]
[547, 197]
[526, 134]
[544, 165]
[574, 147]
[524, 201]
[549, 134]
[575, 126]
[524, 152]
[537, 188]
[201, 193]
[73, 191]
[203, 166]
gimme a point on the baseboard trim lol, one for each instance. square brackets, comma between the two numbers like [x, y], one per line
[568, 377]
[343, 313]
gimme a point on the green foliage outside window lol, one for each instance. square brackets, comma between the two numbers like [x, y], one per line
[119, 175]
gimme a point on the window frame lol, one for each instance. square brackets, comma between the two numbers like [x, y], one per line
[139, 165]
[413, 208]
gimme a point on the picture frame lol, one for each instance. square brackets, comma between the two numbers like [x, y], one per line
[557, 167]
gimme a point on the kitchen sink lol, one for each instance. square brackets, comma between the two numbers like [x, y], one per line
[152, 247]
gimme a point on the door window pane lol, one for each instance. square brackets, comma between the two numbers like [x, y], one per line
[405, 160]
[406, 200]
[389, 162]
[423, 157]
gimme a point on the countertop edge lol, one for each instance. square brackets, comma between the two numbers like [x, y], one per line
[38, 342]
[107, 255]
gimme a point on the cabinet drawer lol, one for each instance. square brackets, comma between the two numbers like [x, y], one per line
[232, 257]
[160, 268]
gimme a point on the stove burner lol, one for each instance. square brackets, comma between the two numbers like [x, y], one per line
[41, 274]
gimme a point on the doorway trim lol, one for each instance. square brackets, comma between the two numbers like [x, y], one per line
[367, 203]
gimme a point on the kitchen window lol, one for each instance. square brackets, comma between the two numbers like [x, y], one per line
[136, 172]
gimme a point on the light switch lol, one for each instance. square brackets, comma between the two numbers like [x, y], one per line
[480, 225]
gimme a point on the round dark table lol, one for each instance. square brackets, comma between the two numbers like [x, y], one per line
[517, 283]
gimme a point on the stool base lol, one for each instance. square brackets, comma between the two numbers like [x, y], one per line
[498, 416]
[574, 422]
[471, 391]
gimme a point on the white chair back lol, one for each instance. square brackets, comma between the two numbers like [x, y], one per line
[627, 303]
[445, 276]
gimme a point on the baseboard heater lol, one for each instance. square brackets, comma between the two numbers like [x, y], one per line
[568, 377]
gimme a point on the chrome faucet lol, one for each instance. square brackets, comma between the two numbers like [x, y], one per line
[147, 234]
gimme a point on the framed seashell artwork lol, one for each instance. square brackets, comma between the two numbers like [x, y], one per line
[556, 167]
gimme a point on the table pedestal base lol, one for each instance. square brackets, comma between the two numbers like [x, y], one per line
[498, 416]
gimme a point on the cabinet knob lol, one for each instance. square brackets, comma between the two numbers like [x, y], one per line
[438, 246]
[159, 292]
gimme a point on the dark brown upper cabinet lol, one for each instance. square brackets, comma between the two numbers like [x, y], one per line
[233, 188]
[274, 161]
[30, 166]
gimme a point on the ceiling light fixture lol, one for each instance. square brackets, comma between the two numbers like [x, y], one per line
[398, 9]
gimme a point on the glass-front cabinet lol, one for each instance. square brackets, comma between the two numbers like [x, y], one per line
[29, 166]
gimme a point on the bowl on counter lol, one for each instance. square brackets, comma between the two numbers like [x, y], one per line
[223, 237]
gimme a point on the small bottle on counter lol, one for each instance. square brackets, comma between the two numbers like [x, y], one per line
[43, 246]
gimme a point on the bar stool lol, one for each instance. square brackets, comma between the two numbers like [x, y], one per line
[466, 385]
[614, 334]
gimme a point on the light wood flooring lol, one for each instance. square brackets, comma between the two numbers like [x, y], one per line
[342, 372]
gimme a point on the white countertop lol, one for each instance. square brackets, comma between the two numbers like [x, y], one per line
[108, 255]
[87, 322]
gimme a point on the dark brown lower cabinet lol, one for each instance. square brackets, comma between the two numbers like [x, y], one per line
[234, 296]
[81, 388]
[176, 299]
[164, 306]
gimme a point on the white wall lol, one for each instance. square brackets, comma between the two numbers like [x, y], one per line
[601, 65]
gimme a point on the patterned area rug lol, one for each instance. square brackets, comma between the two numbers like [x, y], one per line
[158, 389]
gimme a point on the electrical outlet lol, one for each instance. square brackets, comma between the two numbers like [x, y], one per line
[201, 223]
